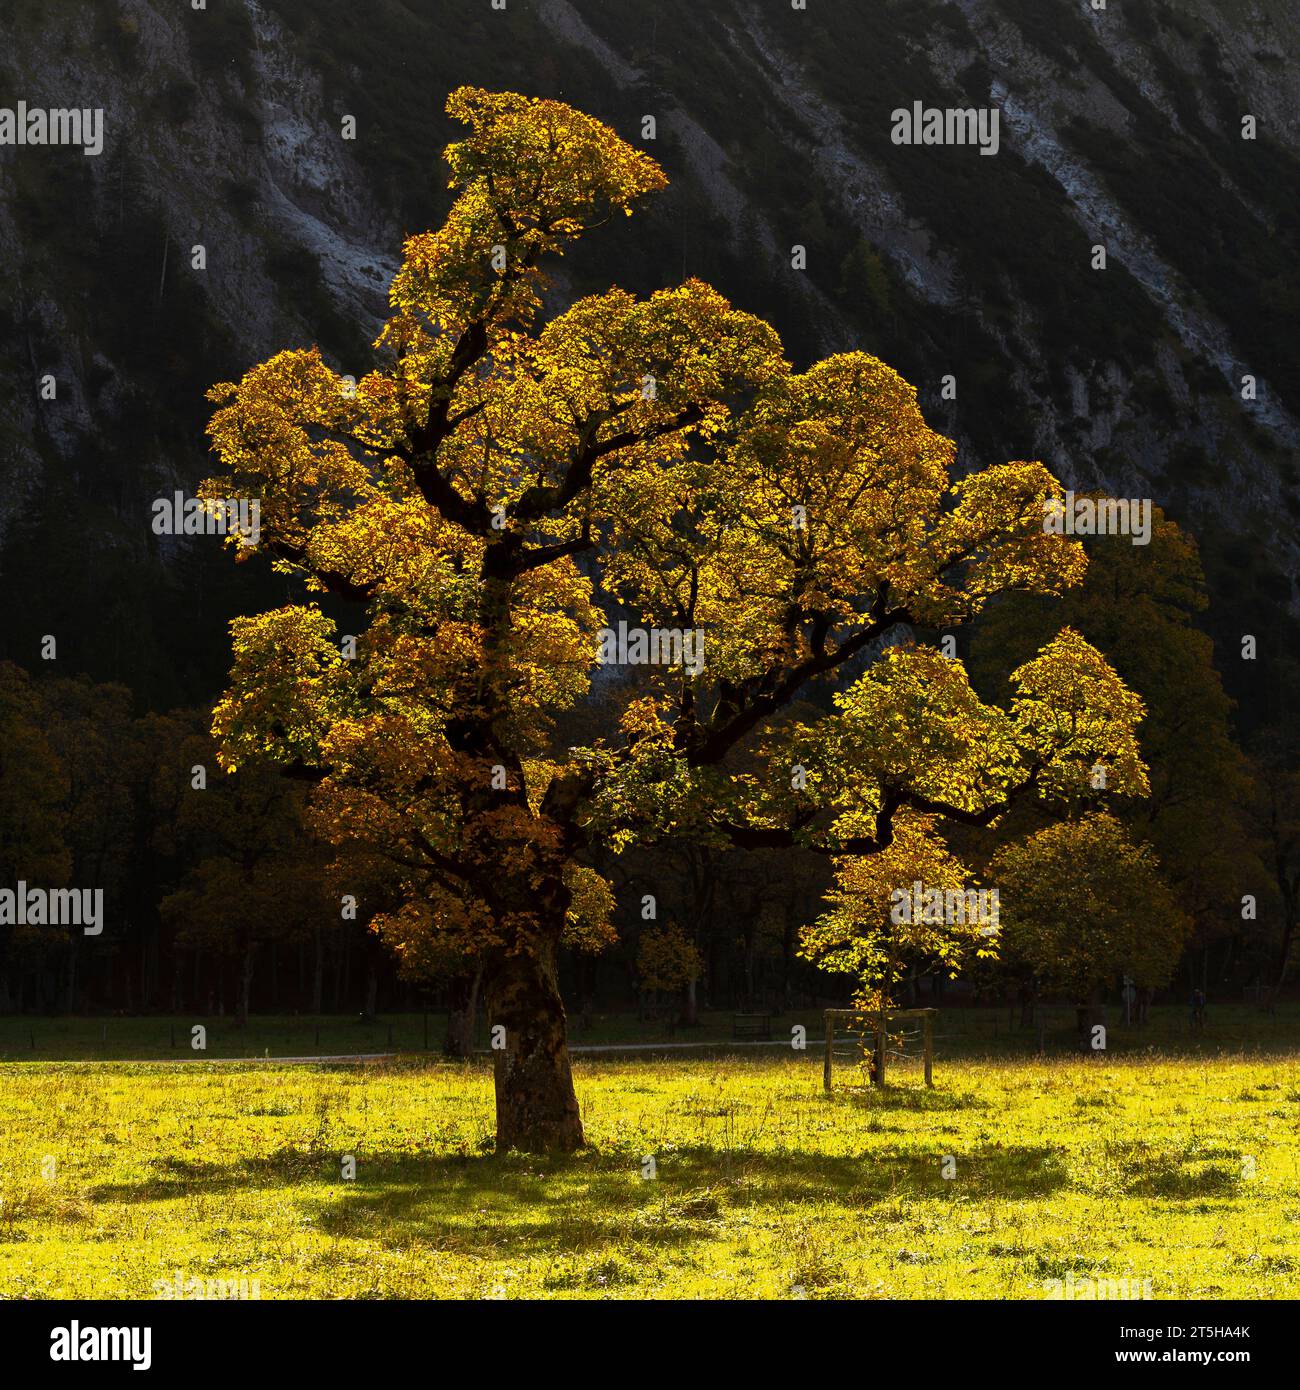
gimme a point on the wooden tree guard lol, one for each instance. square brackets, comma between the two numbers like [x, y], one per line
[881, 1030]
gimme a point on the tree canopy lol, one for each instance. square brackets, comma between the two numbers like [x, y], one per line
[1082, 903]
[497, 489]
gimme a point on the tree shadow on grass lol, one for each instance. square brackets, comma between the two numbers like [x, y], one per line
[910, 1098]
[582, 1205]
[1168, 1178]
[493, 1203]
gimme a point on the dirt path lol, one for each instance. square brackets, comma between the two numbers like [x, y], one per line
[335, 1059]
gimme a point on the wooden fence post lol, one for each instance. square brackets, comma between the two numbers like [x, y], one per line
[861, 1026]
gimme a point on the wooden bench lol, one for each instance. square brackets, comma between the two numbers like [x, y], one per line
[757, 1026]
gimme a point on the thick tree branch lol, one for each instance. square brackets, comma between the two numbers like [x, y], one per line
[892, 800]
[749, 706]
[440, 493]
[470, 347]
[979, 818]
[788, 837]
[333, 580]
[539, 501]
[440, 861]
[537, 556]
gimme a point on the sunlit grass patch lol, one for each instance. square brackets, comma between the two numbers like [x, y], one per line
[1011, 1173]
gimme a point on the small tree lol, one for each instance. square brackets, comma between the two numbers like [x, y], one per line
[1081, 904]
[667, 960]
[896, 908]
[1138, 604]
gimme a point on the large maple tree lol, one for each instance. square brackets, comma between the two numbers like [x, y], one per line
[497, 486]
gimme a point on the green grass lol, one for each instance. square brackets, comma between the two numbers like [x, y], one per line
[1181, 1169]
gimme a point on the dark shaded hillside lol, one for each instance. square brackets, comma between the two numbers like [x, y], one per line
[1119, 128]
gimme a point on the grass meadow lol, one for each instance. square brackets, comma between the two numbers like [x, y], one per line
[1177, 1163]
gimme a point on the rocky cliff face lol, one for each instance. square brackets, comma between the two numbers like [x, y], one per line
[224, 128]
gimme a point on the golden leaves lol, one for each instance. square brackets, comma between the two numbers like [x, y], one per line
[588, 924]
[996, 536]
[544, 163]
[282, 435]
[288, 686]
[913, 720]
[1077, 715]
[667, 959]
[862, 934]
[1083, 903]
[532, 175]
[475, 486]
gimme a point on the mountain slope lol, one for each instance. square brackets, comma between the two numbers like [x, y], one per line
[1119, 128]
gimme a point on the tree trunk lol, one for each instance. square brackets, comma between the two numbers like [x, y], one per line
[462, 1015]
[690, 1006]
[246, 985]
[787, 956]
[70, 1001]
[338, 972]
[714, 975]
[318, 975]
[537, 1110]
[1284, 951]
[1090, 1015]
[750, 933]
[587, 989]
[148, 973]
